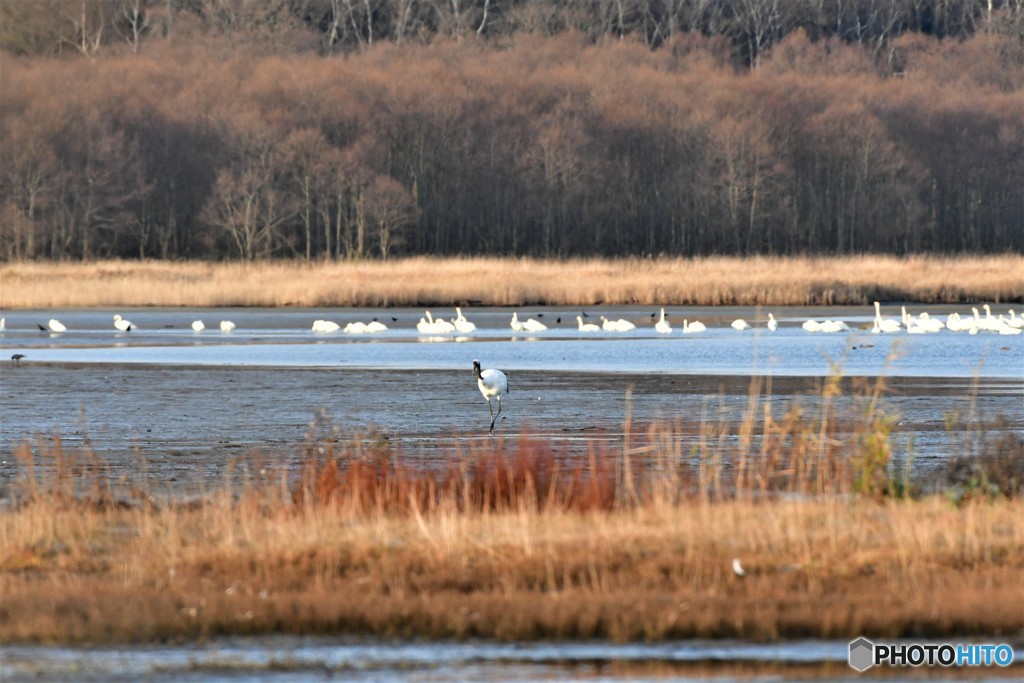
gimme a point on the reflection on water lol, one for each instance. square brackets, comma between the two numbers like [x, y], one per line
[283, 658]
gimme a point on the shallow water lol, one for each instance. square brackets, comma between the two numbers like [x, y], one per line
[282, 338]
[302, 659]
[177, 407]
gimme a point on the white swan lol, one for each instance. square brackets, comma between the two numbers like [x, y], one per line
[1007, 328]
[122, 325]
[773, 324]
[885, 325]
[227, 326]
[325, 326]
[530, 325]
[425, 325]
[620, 325]
[198, 326]
[431, 326]
[968, 324]
[926, 323]
[739, 324]
[832, 326]
[989, 324]
[461, 324]
[587, 327]
[55, 325]
[662, 325]
[811, 325]
[695, 326]
[364, 328]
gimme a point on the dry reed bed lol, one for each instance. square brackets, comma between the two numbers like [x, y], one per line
[500, 545]
[514, 282]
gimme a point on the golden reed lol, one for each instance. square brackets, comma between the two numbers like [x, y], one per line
[424, 281]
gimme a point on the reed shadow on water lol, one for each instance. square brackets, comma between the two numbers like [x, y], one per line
[188, 424]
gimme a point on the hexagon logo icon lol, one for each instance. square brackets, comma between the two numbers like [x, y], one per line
[862, 654]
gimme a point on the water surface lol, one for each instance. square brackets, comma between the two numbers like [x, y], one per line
[177, 407]
[301, 659]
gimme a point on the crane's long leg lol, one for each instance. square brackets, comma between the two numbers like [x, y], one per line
[494, 416]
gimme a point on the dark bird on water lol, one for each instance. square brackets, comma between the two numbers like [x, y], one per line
[16, 358]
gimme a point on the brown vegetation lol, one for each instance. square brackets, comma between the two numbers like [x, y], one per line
[504, 542]
[814, 569]
[202, 146]
[514, 282]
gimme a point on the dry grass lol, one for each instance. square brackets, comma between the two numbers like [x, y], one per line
[507, 282]
[502, 543]
[815, 569]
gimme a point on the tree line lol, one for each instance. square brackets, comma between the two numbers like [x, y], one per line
[747, 28]
[543, 143]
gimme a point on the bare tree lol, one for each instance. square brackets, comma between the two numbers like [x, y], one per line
[88, 28]
[303, 160]
[403, 19]
[760, 23]
[391, 208]
[483, 18]
[247, 201]
[134, 23]
[27, 182]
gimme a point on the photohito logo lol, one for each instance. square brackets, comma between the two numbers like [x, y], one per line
[864, 654]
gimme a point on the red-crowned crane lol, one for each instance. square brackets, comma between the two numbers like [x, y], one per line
[492, 383]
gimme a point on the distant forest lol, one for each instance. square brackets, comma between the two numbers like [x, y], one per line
[350, 129]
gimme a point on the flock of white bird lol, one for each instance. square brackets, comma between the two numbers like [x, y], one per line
[922, 323]
[120, 324]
